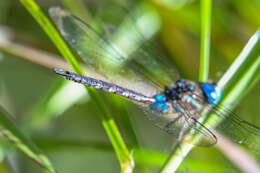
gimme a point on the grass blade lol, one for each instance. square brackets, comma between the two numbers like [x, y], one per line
[10, 132]
[121, 150]
[205, 39]
[245, 73]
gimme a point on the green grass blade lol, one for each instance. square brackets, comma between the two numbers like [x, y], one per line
[107, 121]
[53, 34]
[205, 39]
[155, 158]
[10, 132]
[243, 73]
[149, 157]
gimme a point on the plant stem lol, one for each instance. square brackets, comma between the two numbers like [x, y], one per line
[245, 73]
[205, 39]
[111, 129]
[10, 132]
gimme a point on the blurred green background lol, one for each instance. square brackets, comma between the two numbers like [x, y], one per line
[69, 131]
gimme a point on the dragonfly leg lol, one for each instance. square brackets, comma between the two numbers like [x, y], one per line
[167, 127]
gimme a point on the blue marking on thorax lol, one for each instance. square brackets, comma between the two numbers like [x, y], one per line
[212, 92]
[192, 101]
[180, 82]
[160, 98]
[159, 105]
[191, 88]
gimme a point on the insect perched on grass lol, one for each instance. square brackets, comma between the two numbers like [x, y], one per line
[176, 108]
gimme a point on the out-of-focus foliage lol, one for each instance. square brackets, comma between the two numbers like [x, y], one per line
[72, 136]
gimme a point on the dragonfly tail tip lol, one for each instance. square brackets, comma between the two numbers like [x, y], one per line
[59, 71]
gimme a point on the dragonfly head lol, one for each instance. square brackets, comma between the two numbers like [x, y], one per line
[211, 91]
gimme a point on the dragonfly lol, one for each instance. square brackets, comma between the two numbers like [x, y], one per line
[176, 107]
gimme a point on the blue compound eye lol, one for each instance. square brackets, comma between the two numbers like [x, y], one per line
[212, 92]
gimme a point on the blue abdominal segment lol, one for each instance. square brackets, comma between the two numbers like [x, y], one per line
[159, 105]
[212, 92]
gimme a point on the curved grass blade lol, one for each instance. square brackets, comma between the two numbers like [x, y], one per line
[10, 132]
[243, 73]
[121, 150]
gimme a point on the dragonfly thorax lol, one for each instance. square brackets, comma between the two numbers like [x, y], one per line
[172, 93]
[176, 93]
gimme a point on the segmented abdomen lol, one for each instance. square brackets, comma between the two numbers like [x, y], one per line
[108, 87]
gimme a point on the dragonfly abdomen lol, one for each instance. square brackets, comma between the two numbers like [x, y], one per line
[105, 86]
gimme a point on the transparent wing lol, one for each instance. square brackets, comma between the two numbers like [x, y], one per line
[179, 123]
[92, 47]
[84, 39]
[238, 130]
[207, 137]
[171, 122]
[138, 27]
[144, 24]
[107, 51]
